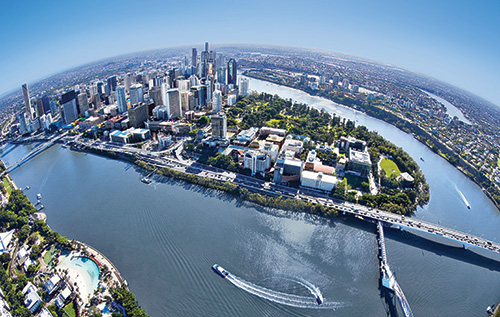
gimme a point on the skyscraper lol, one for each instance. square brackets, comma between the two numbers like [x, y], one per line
[232, 72]
[217, 102]
[39, 108]
[174, 103]
[138, 115]
[121, 100]
[194, 56]
[136, 94]
[83, 102]
[46, 104]
[112, 83]
[69, 106]
[243, 87]
[219, 126]
[27, 102]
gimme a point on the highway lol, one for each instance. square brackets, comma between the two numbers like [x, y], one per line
[359, 211]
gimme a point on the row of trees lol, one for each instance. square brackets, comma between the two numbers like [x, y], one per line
[239, 192]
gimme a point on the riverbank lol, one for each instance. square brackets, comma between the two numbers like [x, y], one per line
[40, 243]
[487, 186]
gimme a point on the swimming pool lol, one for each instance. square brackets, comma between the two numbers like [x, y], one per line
[83, 271]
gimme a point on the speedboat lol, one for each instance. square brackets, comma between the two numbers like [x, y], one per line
[220, 270]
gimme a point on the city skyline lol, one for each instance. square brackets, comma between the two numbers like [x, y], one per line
[450, 41]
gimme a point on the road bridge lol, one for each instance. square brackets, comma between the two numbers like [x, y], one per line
[39, 149]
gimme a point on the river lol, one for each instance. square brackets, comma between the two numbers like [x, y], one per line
[164, 237]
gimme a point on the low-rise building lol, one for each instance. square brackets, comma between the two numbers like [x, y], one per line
[272, 131]
[271, 150]
[246, 136]
[276, 139]
[346, 143]
[257, 162]
[318, 181]
[52, 283]
[122, 137]
[164, 141]
[90, 122]
[295, 146]
[31, 298]
[359, 163]
[63, 295]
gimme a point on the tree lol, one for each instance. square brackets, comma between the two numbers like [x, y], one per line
[202, 121]
[5, 258]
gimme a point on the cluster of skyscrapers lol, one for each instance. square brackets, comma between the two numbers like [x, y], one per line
[207, 81]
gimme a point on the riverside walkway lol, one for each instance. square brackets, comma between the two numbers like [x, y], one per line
[388, 278]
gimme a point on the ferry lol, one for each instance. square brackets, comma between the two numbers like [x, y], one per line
[220, 270]
[38, 196]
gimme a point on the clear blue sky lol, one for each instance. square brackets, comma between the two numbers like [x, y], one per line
[455, 41]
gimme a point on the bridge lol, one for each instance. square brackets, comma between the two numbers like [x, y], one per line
[388, 278]
[39, 149]
[402, 222]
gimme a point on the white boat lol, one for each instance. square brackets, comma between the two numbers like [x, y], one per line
[38, 196]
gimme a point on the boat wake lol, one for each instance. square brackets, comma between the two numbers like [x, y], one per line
[463, 197]
[284, 298]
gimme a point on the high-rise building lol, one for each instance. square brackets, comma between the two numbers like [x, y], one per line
[46, 104]
[217, 102]
[69, 106]
[345, 84]
[39, 108]
[221, 75]
[185, 97]
[138, 115]
[208, 58]
[243, 87]
[112, 83]
[174, 103]
[128, 81]
[336, 79]
[100, 87]
[121, 99]
[83, 102]
[155, 94]
[219, 126]
[194, 57]
[136, 94]
[23, 125]
[27, 102]
[232, 72]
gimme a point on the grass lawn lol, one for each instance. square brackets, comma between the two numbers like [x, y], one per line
[70, 310]
[355, 181]
[7, 185]
[389, 167]
[48, 256]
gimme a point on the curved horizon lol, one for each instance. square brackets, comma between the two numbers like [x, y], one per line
[188, 47]
[452, 42]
